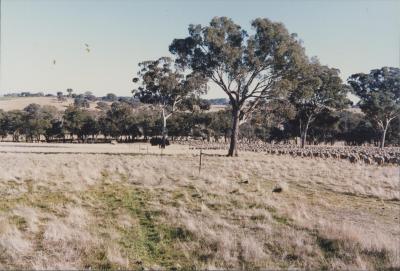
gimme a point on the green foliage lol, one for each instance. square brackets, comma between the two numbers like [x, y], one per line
[81, 101]
[73, 119]
[168, 88]
[324, 127]
[246, 67]
[393, 134]
[221, 123]
[181, 124]
[272, 122]
[14, 123]
[165, 86]
[316, 91]
[3, 124]
[354, 129]
[379, 93]
[111, 97]
[20, 222]
[32, 122]
[89, 127]
[70, 90]
[119, 120]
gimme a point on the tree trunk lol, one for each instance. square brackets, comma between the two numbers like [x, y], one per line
[164, 130]
[303, 133]
[382, 143]
[235, 133]
[303, 139]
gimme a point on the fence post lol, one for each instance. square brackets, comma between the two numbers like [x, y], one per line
[201, 152]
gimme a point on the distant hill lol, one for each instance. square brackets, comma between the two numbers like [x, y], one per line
[18, 103]
[218, 101]
[12, 103]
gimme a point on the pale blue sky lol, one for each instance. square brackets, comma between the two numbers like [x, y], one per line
[354, 36]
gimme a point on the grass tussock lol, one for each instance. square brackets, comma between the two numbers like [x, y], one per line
[132, 212]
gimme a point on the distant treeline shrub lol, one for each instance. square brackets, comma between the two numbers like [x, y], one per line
[125, 121]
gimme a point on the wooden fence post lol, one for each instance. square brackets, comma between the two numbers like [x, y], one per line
[201, 152]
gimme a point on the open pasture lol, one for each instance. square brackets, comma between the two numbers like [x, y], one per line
[117, 206]
[19, 103]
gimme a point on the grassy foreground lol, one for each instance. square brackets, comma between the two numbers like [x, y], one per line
[146, 211]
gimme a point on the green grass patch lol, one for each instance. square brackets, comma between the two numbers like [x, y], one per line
[282, 219]
[37, 197]
[20, 222]
[148, 241]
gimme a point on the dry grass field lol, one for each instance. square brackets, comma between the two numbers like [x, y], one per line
[19, 103]
[99, 209]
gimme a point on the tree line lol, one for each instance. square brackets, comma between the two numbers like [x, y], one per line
[128, 122]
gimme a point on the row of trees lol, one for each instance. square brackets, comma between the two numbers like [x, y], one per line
[121, 121]
[259, 71]
[36, 122]
[84, 100]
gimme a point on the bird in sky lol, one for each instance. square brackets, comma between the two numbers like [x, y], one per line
[87, 48]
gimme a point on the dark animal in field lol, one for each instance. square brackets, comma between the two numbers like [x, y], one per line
[158, 141]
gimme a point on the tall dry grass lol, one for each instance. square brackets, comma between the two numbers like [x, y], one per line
[132, 211]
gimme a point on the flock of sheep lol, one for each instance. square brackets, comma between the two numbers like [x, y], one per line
[355, 154]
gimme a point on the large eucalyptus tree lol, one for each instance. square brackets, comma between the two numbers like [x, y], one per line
[166, 87]
[316, 89]
[246, 67]
[379, 93]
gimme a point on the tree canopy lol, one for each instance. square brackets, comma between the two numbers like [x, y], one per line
[246, 67]
[316, 89]
[379, 93]
[167, 87]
